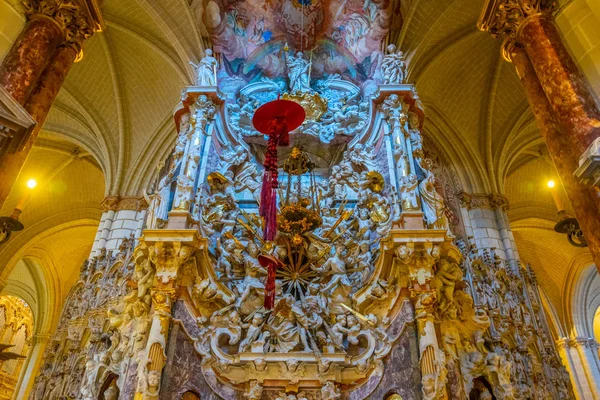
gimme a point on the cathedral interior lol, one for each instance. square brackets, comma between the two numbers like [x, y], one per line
[299, 199]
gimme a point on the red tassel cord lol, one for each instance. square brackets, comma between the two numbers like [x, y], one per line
[270, 286]
[271, 264]
[268, 196]
[274, 119]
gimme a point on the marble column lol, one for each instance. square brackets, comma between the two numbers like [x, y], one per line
[584, 200]
[36, 67]
[425, 304]
[38, 106]
[29, 56]
[565, 86]
[531, 23]
[168, 250]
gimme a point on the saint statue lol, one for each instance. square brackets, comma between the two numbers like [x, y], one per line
[158, 209]
[433, 202]
[206, 70]
[409, 193]
[393, 66]
[298, 72]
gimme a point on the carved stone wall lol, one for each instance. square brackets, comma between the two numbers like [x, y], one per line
[121, 218]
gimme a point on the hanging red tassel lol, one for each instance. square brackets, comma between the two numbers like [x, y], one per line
[275, 119]
[271, 264]
[268, 196]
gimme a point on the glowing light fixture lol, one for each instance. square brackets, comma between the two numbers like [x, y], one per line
[12, 223]
[567, 224]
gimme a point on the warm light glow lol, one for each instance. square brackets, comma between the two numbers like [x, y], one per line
[31, 183]
[550, 184]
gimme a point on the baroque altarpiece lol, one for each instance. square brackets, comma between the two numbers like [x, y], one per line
[379, 293]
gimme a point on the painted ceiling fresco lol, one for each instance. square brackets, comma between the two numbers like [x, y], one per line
[339, 36]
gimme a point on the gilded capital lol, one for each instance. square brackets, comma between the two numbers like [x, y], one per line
[78, 19]
[504, 17]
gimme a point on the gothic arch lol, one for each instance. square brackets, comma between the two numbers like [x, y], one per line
[586, 301]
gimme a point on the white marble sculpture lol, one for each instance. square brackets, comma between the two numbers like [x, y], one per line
[206, 70]
[432, 201]
[393, 66]
[298, 73]
[158, 203]
[409, 193]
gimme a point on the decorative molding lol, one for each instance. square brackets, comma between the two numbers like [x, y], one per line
[40, 338]
[479, 200]
[78, 19]
[588, 172]
[575, 343]
[118, 203]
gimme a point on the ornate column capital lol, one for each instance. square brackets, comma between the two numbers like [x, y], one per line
[582, 342]
[479, 200]
[118, 203]
[563, 344]
[40, 338]
[504, 17]
[78, 19]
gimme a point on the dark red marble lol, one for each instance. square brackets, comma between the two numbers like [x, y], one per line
[28, 57]
[38, 106]
[585, 200]
[565, 86]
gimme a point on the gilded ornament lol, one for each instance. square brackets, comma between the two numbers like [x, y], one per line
[314, 105]
[296, 220]
[376, 181]
[298, 162]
